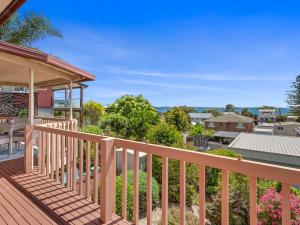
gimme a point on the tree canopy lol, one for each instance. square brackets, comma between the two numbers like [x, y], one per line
[214, 112]
[27, 30]
[138, 111]
[177, 117]
[92, 112]
[293, 97]
[165, 134]
[246, 112]
[200, 130]
[229, 108]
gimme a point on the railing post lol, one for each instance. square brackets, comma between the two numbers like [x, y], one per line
[107, 181]
[28, 161]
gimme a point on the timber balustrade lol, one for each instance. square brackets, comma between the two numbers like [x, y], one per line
[65, 155]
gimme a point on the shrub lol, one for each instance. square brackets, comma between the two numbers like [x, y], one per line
[165, 134]
[270, 208]
[192, 179]
[200, 130]
[92, 129]
[174, 215]
[213, 176]
[142, 194]
[92, 112]
[238, 199]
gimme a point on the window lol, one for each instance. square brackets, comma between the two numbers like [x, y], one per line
[211, 124]
[240, 126]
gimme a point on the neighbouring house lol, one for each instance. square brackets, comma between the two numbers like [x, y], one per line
[50, 101]
[266, 115]
[231, 122]
[281, 150]
[199, 118]
[286, 129]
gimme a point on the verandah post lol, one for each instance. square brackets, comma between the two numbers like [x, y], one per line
[28, 161]
[107, 179]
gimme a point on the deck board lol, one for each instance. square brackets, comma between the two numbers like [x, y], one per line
[35, 199]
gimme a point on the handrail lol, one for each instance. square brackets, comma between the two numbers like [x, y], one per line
[60, 149]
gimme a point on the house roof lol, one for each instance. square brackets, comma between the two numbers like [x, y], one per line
[8, 7]
[227, 134]
[15, 62]
[201, 115]
[230, 118]
[284, 145]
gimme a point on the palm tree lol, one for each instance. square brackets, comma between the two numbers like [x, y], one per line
[27, 30]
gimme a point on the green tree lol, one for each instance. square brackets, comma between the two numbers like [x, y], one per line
[246, 112]
[187, 109]
[293, 97]
[92, 112]
[115, 124]
[178, 118]
[27, 30]
[229, 108]
[165, 134]
[200, 130]
[214, 112]
[140, 113]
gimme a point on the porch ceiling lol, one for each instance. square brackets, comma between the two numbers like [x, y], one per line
[16, 61]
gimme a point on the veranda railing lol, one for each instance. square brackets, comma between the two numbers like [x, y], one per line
[60, 149]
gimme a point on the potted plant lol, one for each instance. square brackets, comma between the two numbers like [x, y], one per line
[23, 114]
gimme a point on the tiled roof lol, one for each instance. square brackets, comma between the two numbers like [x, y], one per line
[230, 118]
[284, 145]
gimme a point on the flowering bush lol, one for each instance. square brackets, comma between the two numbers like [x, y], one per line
[270, 205]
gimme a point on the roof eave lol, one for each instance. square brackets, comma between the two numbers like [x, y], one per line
[10, 9]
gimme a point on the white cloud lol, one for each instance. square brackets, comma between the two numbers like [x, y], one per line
[174, 86]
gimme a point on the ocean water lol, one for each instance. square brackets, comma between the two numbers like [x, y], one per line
[253, 110]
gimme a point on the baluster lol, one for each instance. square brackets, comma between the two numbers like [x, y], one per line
[201, 194]
[96, 174]
[48, 154]
[88, 167]
[63, 158]
[43, 151]
[253, 201]
[286, 204]
[68, 153]
[149, 189]
[124, 183]
[225, 207]
[40, 151]
[182, 192]
[81, 168]
[74, 163]
[136, 188]
[53, 145]
[57, 152]
[164, 191]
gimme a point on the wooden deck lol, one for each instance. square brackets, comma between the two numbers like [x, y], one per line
[34, 199]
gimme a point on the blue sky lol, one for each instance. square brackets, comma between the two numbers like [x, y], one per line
[198, 53]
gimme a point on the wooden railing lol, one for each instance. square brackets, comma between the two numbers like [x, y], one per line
[47, 120]
[60, 149]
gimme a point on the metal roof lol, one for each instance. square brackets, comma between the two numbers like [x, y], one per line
[283, 145]
[201, 115]
[227, 134]
[230, 118]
